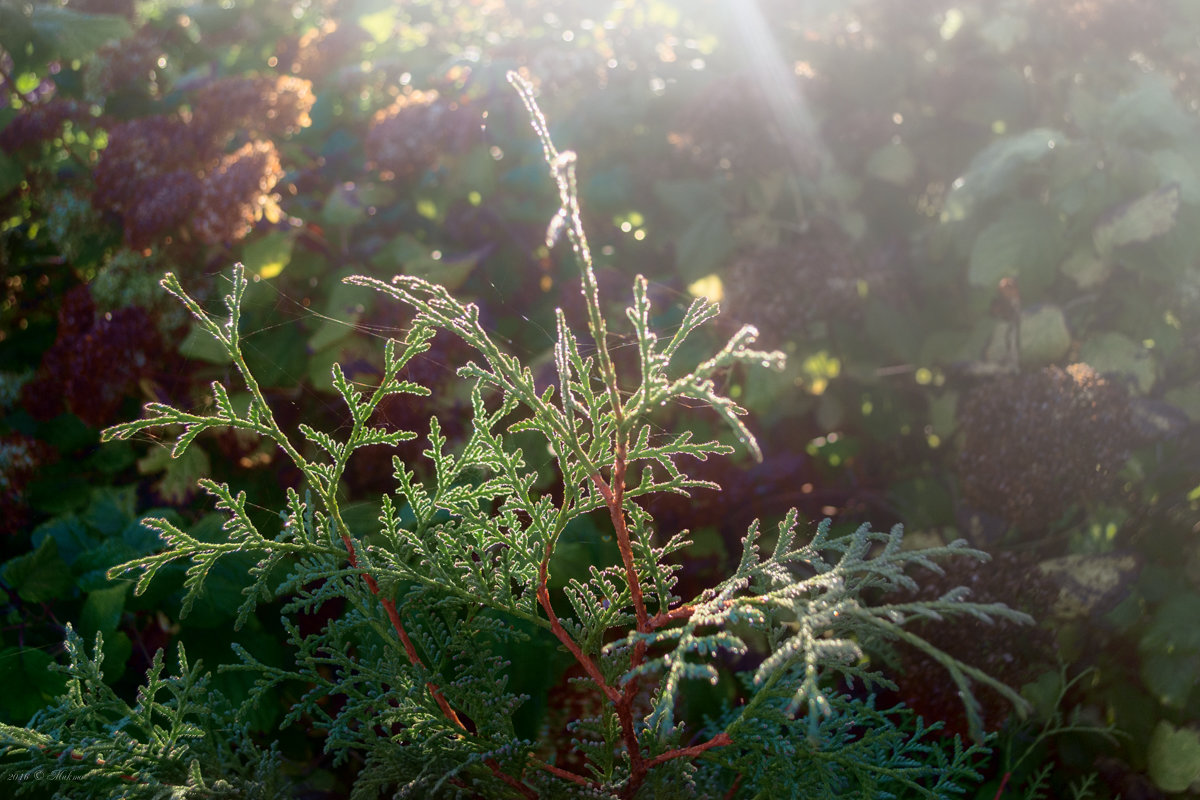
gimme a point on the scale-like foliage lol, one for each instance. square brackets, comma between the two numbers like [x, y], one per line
[458, 566]
[179, 740]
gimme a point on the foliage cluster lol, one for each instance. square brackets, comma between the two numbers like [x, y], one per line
[971, 226]
[458, 566]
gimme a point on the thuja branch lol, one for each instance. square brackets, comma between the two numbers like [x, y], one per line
[562, 168]
[479, 536]
[393, 615]
[561, 633]
[614, 499]
[654, 387]
[324, 478]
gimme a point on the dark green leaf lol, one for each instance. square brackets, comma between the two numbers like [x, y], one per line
[28, 669]
[117, 650]
[71, 537]
[268, 255]
[111, 509]
[41, 575]
[102, 610]
[1024, 241]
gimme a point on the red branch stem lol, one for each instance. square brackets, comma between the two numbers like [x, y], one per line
[1003, 783]
[614, 497]
[667, 617]
[393, 614]
[389, 606]
[720, 740]
[562, 773]
[589, 666]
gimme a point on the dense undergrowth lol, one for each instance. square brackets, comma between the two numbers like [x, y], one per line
[972, 228]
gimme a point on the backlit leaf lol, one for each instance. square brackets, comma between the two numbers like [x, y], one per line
[1139, 220]
[1024, 242]
[1173, 757]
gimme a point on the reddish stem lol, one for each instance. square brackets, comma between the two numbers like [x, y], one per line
[1003, 783]
[667, 617]
[622, 701]
[562, 773]
[677, 615]
[589, 666]
[720, 740]
[510, 780]
[389, 606]
[614, 498]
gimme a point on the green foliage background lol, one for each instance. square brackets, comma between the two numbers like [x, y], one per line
[857, 178]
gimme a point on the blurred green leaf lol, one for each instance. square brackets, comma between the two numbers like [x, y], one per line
[27, 671]
[201, 346]
[11, 174]
[1044, 338]
[380, 24]
[923, 503]
[111, 509]
[1173, 757]
[268, 255]
[102, 610]
[342, 351]
[1149, 114]
[41, 575]
[688, 199]
[70, 34]
[179, 475]
[891, 330]
[1004, 32]
[92, 565]
[1140, 220]
[1024, 241]
[893, 163]
[71, 537]
[17, 34]
[1087, 269]
[117, 650]
[447, 271]
[342, 311]
[113, 457]
[1186, 399]
[146, 540]
[1173, 627]
[994, 170]
[1181, 166]
[704, 245]
[349, 203]
[278, 356]
[476, 170]
[1170, 677]
[1117, 353]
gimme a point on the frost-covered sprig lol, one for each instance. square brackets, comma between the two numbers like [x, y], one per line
[813, 610]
